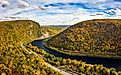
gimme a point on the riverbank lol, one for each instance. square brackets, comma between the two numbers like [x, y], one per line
[115, 63]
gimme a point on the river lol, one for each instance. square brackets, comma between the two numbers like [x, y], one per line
[107, 62]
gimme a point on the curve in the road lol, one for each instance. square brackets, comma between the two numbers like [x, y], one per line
[49, 65]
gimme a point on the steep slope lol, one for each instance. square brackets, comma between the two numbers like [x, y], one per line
[15, 60]
[19, 30]
[100, 37]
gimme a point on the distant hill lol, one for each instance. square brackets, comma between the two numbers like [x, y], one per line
[99, 37]
[53, 29]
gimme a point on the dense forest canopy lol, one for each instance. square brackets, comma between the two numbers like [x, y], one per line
[75, 67]
[100, 37]
[15, 60]
[15, 47]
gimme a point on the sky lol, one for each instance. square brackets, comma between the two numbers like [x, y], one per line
[59, 12]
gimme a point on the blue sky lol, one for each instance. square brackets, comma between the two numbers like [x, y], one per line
[59, 12]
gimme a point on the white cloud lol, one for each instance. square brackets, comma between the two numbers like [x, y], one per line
[116, 11]
[22, 4]
[38, 7]
[102, 0]
[4, 3]
[51, 1]
[1, 1]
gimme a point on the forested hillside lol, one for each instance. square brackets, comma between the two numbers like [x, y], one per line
[15, 60]
[77, 67]
[100, 37]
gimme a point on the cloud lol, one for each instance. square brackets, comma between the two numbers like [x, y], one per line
[38, 7]
[116, 12]
[102, 0]
[4, 3]
[22, 4]
[64, 12]
[55, 1]
[1, 1]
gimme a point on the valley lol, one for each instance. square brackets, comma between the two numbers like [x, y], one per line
[109, 62]
[27, 48]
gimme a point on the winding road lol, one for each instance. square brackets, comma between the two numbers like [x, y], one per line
[49, 65]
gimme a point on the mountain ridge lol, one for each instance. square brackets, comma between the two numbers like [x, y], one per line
[93, 38]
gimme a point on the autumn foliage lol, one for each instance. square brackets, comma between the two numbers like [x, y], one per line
[93, 38]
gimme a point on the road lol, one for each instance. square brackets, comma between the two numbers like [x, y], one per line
[49, 65]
